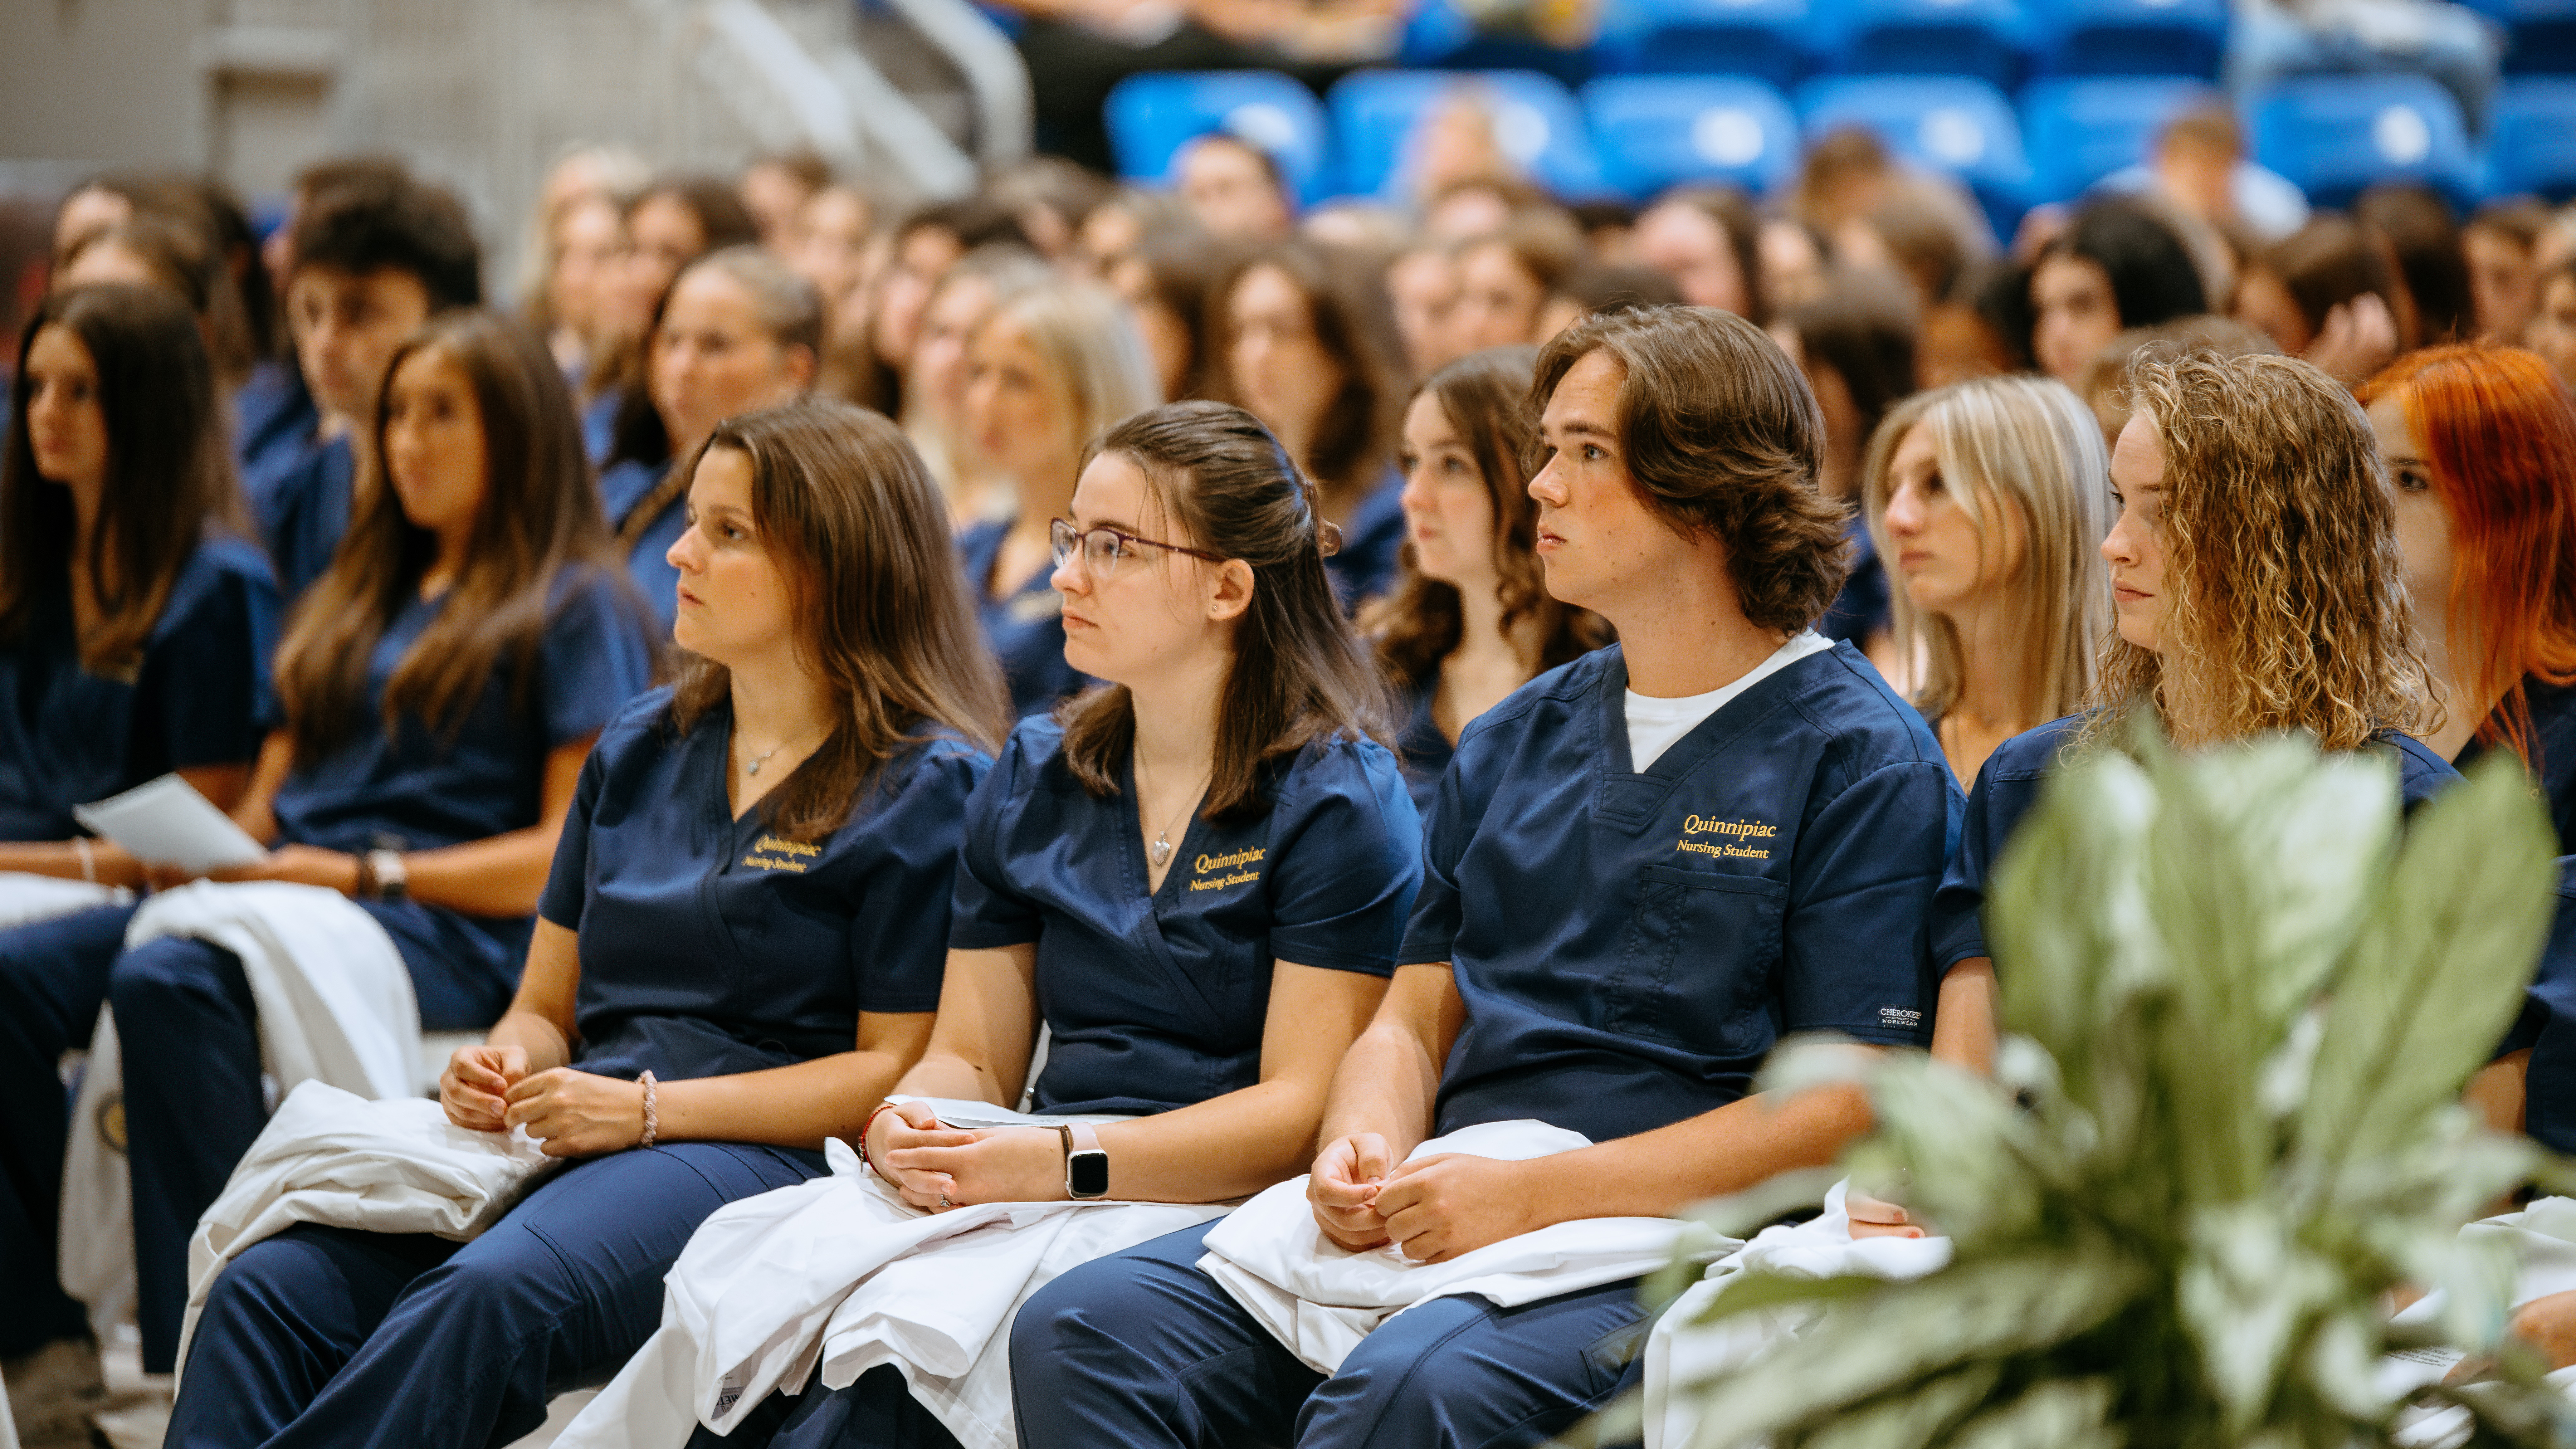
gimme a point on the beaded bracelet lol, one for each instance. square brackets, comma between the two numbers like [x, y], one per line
[882, 1109]
[651, 1123]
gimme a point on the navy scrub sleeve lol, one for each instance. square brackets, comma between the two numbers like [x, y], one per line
[1156, 1002]
[273, 415]
[620, 489]
[2553, 752]
[302, 507]
[710, 945]
[1026, 630]
[1630, 945]
[2008, 785]
[1372, 541]
[199, 697]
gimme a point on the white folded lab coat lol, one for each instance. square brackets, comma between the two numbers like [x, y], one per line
[828, 1279]
[331, 1157]
[26, 899]
[1320, 1299]
[335, 1004]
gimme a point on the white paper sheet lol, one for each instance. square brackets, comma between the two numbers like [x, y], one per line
[166, 822]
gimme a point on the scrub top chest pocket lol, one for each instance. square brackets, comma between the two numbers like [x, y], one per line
[1702, 954]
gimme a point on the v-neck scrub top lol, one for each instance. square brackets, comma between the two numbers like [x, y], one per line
[1630, 945]
[2008, 785]
[198, 697]
[1156, 1001]
[711, 944]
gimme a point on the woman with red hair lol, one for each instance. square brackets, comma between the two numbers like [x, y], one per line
[2481, 448]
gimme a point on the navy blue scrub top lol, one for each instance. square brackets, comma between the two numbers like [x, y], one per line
[443, 784]
[649, 565]
[1365, 566]
[711, 945]
[1425, 751]
[1157, 1002]
[599, 423]
[1630, 945]
[303, 508]
[2008, 785]
[1861, 609]
[1026, 630]
[2553, 752]
[200, 696]
[273, 415]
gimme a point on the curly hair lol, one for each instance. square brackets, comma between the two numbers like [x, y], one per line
[2285, 595]
[1723, 440]
[1419, 621]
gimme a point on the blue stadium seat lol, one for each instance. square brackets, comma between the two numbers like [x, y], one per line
[1440, 33]
[1986, 39]
[2542, 32]
[1947, 123]
[1768, 39]
[2336, 134]
[1152, 114]
[2081, 129]
[1536, 121]
[1654, 131]
[2531, 138]
[2129, 37]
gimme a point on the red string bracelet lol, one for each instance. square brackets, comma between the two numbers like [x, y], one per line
[865, 1127]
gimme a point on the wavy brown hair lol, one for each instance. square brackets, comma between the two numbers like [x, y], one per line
[169, 474]
[1723, 440]
[1418, 623]
[539, 523]
[1355, 322]
[848, 514]
[2285, 592]
[1300, 673]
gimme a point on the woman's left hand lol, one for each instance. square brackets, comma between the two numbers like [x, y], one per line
[1005, 1164]
[575, 1113]
[299, 864]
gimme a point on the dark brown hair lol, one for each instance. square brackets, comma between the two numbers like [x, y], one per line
[1300, 675]
[847, 512]
[539, 520]
[1354, 321]
[1733, 212]
[1723, 440]
[2325, 264]
[169, 472]
[723, 221]
[1418, 623]
[2423, 241]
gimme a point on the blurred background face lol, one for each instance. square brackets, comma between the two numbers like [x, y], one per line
[1166, 335]
[346, 330]
[1448, 508]
[2076, 315]
[1228, 188]
[1424, 288]
[773, 195]
[832, 243]
[1016, 413]
[666, 234]
[937, 382]
[713, 358]
[1688, 245]
[66, 427]
[2553, 327]
[434, 453]
[2263, 304]
[1285, 373]
[1498, 301]
[108, 264]
[590, 241]
[921, 257]
[2503, 285]
[1944, 561]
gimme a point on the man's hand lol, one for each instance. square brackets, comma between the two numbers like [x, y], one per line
[575, 1113]
[475, 1087]
[1437, 1208]
[1343, 1186]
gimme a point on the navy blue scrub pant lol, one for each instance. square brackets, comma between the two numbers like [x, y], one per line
[1144, 1349]
[328, 1336]
[190, 1039]
[877, 1412]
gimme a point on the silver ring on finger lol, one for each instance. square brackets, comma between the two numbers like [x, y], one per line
[944, 1202]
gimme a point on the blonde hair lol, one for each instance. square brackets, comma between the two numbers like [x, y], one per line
[1093, 349]
[2286, 604]
[2028, 445]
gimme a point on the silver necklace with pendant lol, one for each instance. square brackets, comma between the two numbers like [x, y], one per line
[1161, 847]
[762, 758]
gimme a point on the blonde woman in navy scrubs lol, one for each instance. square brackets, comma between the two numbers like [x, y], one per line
[731, 964]
[1196, 878]
[1641, 871]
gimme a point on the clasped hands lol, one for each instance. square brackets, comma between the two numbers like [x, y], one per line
[299, 864]
[936, 1167]
[571, 1113]
[1431, 1209]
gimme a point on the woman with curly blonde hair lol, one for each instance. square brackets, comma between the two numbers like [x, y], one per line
[2257, 586]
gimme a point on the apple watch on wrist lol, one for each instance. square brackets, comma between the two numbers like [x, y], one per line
[1086, 1165]
[382, 876]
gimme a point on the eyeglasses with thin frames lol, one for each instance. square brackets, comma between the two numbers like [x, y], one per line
[1104, 548]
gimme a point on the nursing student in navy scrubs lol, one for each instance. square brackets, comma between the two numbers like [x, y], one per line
[1195, 879]
[1047, 370]
[440, 687]
[136, 620]
[1468, 618]
[372, 263]
[1991, 497]
[1305, 339]
[2226, 460]
[1642, 870]
[736, 333]
[731, 963]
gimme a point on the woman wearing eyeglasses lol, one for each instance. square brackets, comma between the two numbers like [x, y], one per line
[1196, 878]
[1045, 372]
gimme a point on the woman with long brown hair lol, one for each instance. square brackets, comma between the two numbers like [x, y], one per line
[135, 622]
[1469, 618]
[731, 964]
[440, 686]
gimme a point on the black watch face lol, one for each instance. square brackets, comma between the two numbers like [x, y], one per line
[1087, 1174]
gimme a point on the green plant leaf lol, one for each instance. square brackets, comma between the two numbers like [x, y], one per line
[2061, 1414]
[1908, 1420]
